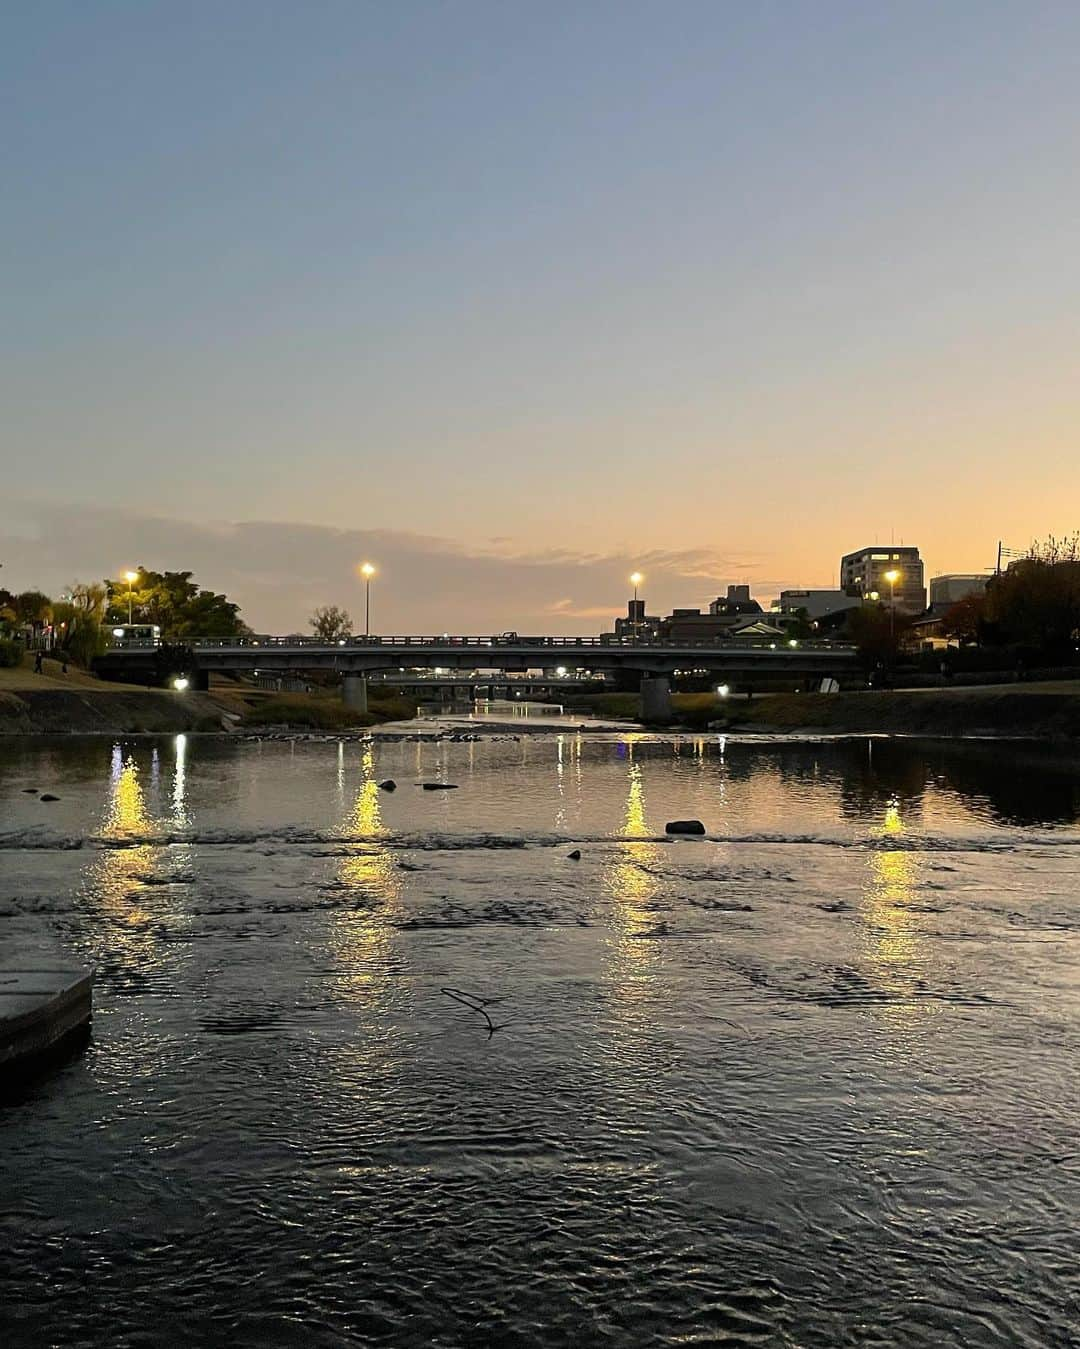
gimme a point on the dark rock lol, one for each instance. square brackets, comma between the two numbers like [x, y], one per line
[30, 791]
[388, 786]
[574, 856]
[48, 796]
[439, 786]
[684, 827]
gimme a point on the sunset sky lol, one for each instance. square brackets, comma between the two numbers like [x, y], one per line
[514, 298]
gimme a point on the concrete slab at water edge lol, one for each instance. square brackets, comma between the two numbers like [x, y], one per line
[40, 1008]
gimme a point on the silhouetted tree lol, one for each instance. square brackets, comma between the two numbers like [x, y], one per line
[878, 634]
[1036, 603]
[966, 618]
[330, 624]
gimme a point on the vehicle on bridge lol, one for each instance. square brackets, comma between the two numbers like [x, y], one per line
[135, 634]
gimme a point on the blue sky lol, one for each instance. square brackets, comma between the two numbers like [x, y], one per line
[752, 284]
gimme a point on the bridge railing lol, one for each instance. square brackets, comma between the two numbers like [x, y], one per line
[448, 642]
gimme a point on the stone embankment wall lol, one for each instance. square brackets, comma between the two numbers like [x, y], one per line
[30, 711]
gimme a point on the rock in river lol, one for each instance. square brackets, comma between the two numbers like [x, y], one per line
[684, 827]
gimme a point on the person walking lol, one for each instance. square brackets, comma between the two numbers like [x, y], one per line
[39, 662]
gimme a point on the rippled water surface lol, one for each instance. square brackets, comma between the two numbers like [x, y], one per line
[813, 1080]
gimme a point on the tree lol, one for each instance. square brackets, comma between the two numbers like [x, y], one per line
[878, 633]
[1036, 603]
[172, 601]
[77, 622]
[965, 619]
[330, 624]
[33, 607]
[89, 599]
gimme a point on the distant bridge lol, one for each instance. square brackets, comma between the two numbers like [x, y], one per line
[651, 660]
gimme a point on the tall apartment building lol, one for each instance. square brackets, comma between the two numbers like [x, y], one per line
[863, 573]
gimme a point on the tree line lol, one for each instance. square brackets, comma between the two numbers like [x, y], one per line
[76, 623]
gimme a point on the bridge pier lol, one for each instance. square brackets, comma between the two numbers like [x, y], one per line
[354, 692]
[656, 699]
[200, 680]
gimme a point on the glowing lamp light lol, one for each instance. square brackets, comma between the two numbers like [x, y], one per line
[892, 576]
[131, 577]
[636, 578]
[561, 671]
[118, 632]
[181, 684]
[793, 642]
[723, 690]
[367, 571]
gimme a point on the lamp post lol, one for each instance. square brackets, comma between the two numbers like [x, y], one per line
[367, 571]
[636, 579]
[892, 577]
[130, 577]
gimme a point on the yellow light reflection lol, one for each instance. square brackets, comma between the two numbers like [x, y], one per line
[891, 927]
[116, 875]
[362, 938]
[633, 888]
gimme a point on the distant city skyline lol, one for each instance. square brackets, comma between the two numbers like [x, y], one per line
[516, 300]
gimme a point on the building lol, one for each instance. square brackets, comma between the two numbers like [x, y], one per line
[949, 590]
[726, 613]
[863, 573]
[816, 603]
[637, 622]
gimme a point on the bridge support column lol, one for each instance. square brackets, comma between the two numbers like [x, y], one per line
[200, 679]
[656, 699]
[354, 692]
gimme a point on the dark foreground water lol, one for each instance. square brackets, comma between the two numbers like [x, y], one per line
[813, 1081]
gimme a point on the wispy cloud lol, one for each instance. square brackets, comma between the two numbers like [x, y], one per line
[280, 571]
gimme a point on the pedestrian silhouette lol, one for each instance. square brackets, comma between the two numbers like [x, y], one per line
[39, 662]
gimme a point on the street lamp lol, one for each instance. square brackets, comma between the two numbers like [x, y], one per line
[892, 577]
[636, 579]
[130, 577]
[367, 571]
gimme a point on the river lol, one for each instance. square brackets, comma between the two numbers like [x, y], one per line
[813, 1080]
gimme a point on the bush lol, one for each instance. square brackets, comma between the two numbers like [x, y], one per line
[616, 706]
[316, 714]
[11, 653]
[391, 707]
[697, 710]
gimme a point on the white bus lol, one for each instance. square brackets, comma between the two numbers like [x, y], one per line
[135, 634]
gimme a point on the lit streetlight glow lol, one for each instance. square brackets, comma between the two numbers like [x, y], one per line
[367, 571]
[130, 577]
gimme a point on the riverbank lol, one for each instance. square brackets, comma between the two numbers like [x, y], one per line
[87, 711]
[1050, 711]
[1044, 711]
[78, 703]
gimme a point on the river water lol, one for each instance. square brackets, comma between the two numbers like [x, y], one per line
[813, 1080]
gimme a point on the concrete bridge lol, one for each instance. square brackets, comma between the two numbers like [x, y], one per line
[650, 661]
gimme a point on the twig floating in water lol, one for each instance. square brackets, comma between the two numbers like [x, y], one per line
[474, 1004]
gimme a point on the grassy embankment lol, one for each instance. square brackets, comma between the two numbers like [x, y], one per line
[325, 711]
[54, 702]
[1050, 710]
[78, 702]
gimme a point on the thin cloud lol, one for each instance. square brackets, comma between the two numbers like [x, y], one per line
[279, 571]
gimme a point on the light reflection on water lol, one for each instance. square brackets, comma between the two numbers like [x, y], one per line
[814, 1076]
